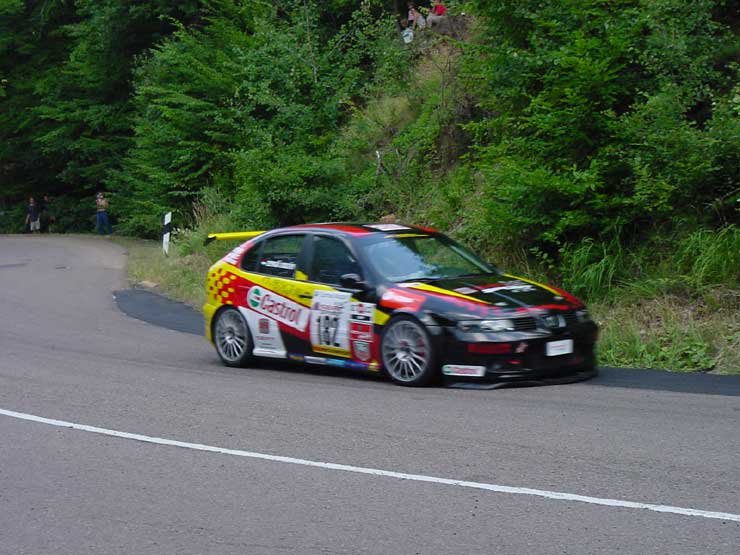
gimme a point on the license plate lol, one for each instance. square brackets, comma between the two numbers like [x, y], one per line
[557, 348]
[463, 370]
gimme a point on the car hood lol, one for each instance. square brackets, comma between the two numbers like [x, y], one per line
[490, 295]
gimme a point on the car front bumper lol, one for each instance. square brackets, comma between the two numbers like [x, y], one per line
[526, 361]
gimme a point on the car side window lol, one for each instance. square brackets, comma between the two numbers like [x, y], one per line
[249, 260]
[280, 255]
[331, 260]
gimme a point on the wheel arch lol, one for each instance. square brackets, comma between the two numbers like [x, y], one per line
[433, 323]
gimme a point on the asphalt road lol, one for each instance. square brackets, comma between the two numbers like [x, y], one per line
[68, 353]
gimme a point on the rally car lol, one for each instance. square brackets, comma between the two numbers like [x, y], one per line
[404, 300]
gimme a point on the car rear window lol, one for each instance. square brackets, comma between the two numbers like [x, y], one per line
[249, 261]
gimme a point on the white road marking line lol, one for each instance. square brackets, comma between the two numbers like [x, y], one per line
[560, 496]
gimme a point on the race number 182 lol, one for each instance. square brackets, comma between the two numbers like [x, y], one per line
[328, 326]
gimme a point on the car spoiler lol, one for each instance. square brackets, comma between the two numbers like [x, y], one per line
[234, 235]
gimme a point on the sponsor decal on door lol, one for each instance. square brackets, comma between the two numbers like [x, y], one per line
[278, 308]
[341, 327]
[265, 334]
[361, 350]
[330, 312]
[361, 330]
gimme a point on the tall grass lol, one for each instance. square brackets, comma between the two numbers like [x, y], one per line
[178, 276]
[181, 275]
[710, 257]
[211, 214]
[671, 333]
[686, 265]
[592, 269]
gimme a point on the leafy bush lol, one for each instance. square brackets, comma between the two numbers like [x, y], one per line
[12, 219]
[72, 215]
[603, 118]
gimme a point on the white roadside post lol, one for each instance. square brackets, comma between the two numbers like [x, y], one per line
[166, 231]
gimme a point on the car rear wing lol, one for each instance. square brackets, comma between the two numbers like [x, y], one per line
[234, 235]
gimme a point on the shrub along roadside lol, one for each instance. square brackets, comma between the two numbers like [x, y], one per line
[674, 321]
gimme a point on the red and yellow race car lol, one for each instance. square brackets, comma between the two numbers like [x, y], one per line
[404, 300]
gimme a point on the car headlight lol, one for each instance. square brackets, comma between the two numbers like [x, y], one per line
[499, 324]
[583, 315]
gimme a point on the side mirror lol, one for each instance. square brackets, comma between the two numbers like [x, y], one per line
[352, 281]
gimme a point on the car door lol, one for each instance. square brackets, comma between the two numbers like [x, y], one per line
[340, 325]
[276, 307]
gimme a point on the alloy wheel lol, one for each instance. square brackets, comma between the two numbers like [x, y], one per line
[231, 336]
[406, 351]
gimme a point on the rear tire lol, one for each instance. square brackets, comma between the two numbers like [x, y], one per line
[231, 338]
[407, 352]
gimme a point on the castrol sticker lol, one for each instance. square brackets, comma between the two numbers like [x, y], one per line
[278, 308]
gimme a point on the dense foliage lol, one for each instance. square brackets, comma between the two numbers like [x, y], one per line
[66, 104]
[529, 123]
[606, 117]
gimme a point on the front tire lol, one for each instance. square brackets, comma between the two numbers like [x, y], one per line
[231, 338]
[407, 352]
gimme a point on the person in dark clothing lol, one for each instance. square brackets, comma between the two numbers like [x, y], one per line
[32, 216]
[46, 217]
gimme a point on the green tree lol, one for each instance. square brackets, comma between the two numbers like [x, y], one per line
[250, 103]
[601, 116]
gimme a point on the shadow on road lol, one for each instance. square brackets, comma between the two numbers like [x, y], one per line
[156, 309]
[660, 380]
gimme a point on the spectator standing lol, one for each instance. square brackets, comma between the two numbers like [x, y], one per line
[437, 14]
[101, 215]
[46, 217]
[32, 216]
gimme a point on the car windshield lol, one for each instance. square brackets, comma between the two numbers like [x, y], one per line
[420, 257]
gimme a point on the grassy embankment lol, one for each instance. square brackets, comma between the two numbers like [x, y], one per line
[673, 317]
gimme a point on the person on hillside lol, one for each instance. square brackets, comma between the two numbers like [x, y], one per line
[32, 216]
[437, 14]
[101, 215]
[415, 19]
[407, 34]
